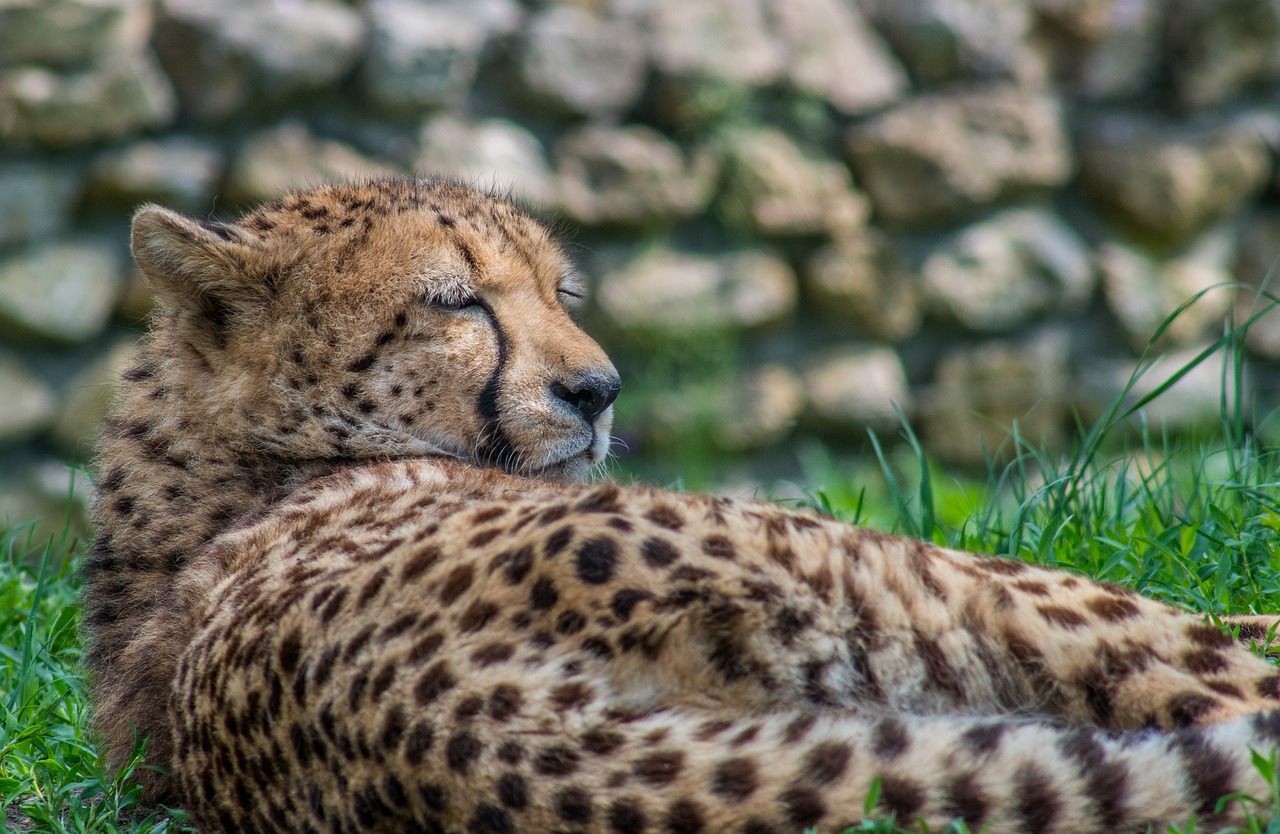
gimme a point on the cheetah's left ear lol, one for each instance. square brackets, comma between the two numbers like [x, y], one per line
[184, 259]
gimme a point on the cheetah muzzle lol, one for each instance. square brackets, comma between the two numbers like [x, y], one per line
[347, 580]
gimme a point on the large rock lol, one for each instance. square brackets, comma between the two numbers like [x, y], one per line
[1143, 290]
[946, 40]
[853, 388]
[493, 154]
[632, 176]
[176, 171]
[89, 397]
[1106, 49]
[48, 499]
[772, 188]
[36, 198]
[938, 158]
[663, 292]
[67, 33]
[27, 407]
[1217, 48]
[124, 94]
[832, 53]
[1007, 270]
[224, 57]
[583, 61]
[289, 157]
[1193, 402]
[1257, 265]
[425, 54]
[759, 411]
[60, 292]
[725, 40]
[861, 279]
[979, 393]
[1168, 181]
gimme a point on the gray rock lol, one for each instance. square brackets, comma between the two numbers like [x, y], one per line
[289, 157]
[27, 407]
[831, 52]
[124, 94]
[947, 40]
[1193, 402]
[176, 171]
[632, 176]
[726, 40]
[1008, 270]
[938, 158]
[88, 398]
[49, 499]
[979, 393]
[36, 199]
[225, 57]
[663, 292]
[1256, 265]
[67, 33]
[425, 54]
[856, 387]
[1107, 49]
[1143, 290]
[493, 155]
[772, 188]
[583, 61]
[759, 411]
[861, 278]
[1169, 181]
[60, 292]
[1217, 48]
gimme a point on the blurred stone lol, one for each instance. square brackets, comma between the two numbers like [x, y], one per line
[50, 499]
[1107, 49]
[425, 54]
[938, 158]
[1258, 264]
[727, 40]
[632, 176]
[1007, 270]
[772, 188]
[1193, 402]
[136, 302]
[583, 61]
[125, 94]
[493, 155]
[176, 171]
[27, 407]
[227, 56]
[67, 33]
[831, 52]
[947, 40]
[289, 157]
[1217, 48]
[663, 292]
[1170, 181]
[60, 292]
[36, 199]
[759, 411]
[979, 393]
[855, 388]
[1142, 291]
[862, 278]
[88, 399]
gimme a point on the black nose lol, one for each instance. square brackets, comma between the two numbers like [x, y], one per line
[590, 394]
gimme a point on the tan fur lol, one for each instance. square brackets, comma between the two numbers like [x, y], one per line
[343, 583]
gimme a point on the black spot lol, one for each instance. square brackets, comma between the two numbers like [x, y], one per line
[601, 741]
[418, 743]
[734, 779]
[1211, 774]
[543, 595]
[983, 738]
[364, 363]
[504, 702]
[827, 761]
[1035, 801]
[558, 761]
[684, 816]
[490, 819]
[456, 584]
[435, 681]
[658, 553]
[513, 791]
[570, 622]
[890, 738]
[625, 601]
[719, 547]
[462, 751]
[963, 798]
[804, 806]
[903, 797]
[573, 805]
[659, 768]
[596, 559]
[557, 541]
[626, 816]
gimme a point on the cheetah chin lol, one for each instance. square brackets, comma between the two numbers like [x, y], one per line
[346, 581]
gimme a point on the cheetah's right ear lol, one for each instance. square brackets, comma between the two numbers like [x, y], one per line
[185, 259]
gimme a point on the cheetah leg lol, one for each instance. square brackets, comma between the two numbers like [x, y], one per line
[998, 634]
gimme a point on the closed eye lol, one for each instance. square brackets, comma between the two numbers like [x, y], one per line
[574, 294]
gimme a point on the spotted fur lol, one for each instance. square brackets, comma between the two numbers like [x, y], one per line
[345, 582]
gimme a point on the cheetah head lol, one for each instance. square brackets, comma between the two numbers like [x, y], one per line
[386, 319]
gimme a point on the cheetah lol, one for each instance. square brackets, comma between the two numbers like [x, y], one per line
[349, 579]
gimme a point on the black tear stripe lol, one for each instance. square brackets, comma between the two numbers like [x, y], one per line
[495, 448]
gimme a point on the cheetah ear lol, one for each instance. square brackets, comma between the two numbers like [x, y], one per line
[185, 260]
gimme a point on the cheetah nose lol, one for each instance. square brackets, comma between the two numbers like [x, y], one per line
[590, 394]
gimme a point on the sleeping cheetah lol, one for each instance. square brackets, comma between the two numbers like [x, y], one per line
[345, 582]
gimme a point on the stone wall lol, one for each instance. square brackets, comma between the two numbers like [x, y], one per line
[798, 215]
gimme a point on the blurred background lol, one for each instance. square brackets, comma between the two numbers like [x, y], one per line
[802, 219]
